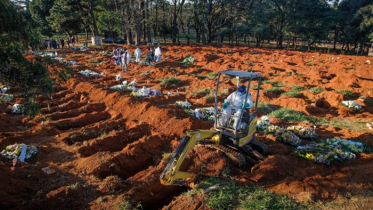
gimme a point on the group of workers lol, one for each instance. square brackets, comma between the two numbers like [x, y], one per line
[235, 101]
[122, 57]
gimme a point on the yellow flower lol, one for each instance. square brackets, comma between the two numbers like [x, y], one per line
[310, 157]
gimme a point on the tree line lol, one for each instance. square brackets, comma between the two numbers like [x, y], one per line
[347, 22]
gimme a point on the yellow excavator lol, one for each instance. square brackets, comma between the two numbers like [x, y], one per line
[235, 140]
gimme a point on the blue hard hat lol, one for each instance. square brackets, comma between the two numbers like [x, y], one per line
[242, 89]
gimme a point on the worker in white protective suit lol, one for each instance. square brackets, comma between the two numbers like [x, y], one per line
[157, 54]
[236, 101]
[138, 55]
[126, 58]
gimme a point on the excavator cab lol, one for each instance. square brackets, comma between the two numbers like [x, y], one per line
[246, 122]
[235, 140]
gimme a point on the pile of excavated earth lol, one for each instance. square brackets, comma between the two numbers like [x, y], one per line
[102, 147]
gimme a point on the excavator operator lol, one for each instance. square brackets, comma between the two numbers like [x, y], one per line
[236, 99]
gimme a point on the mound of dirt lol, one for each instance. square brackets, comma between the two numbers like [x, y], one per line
[107, 147]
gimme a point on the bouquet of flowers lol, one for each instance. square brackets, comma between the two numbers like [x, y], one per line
[6, 97]
[105, 53]
[145, 92]
[275, 130]
[49, 54]
[183, 104]
[14, 152]
[323, 153]
[289, 138]
[4, 89]
[349, 145]
[352, 105]
[303, 132]
[188, 60]
[262, 125]
[119, 87]
[89, 73]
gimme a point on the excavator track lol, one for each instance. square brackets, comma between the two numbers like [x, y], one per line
[236, 157]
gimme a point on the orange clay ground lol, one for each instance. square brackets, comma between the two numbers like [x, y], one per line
[107, 146]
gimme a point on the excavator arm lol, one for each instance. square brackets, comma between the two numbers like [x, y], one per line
[171, 175]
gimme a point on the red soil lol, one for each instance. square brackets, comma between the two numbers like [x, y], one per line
[91, 135]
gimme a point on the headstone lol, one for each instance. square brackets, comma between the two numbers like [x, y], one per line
[96, 40]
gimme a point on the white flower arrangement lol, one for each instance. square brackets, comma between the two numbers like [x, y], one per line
[6, 97]
[352, 146]
[4, 89]
[14, 152]
[17, 109]
[352, 105]
[145, 92]
[183, 104]
[49, 54]
[303, 132]
[89, 73]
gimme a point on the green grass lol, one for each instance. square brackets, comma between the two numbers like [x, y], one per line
[276, 75]
[274, 83]
[252, 64]
[204, 90]
[276, 90]
[231, 196]
[171, 81]
[348, 67]
[316, 90]
[298, 88]
[294, 92]
[266, 108]
[290, 115]
[73, 136]
[254, 86]
[210, 98]
[126, 205]
[212, 75]
[345, 92]
[103, 135]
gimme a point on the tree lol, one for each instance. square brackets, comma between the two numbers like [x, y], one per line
[63, 18]
[39, 10]
[86, 9]
[16, 35]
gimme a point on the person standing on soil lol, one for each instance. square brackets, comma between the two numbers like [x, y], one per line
[116, 55]
[68, 42]
[236, 101]
[62, 43]
[157, 54]
[138, 55]
[150, 55]
[126, 58]
[73, 41]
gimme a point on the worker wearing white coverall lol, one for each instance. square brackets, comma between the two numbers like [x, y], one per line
[138, 55]
[236, 100]
[126, 58]
[157, 54]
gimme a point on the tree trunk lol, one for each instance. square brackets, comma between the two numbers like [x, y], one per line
[147, 21]
[203, 31]
[335, 38]
[221, 23]
[86, 34]
[94, 25]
